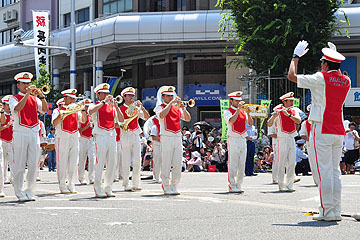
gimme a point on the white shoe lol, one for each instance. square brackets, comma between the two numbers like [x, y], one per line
[109, 193]
[235, 190]
[64, 191]
[116, 179]
[291, 189]
[170, 192]
[338, 218]
[91, 181]
[30, 197]
[128, 188]
[283, 189]
[23, 198]
[83, 182]
[2, 194]
[136, 188]
[38, 179]
[100, 195]
[324, 218]
[7, 181]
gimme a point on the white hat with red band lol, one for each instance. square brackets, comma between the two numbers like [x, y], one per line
[23, 77]
[102, 87]
[128, 90]
[236, 95]
[86, 101]
[287, 96]
[60, 102]
[167, 90]
[6, 99]
[69, 93]
[332, 55]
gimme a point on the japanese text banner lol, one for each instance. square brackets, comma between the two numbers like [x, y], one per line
[41, 38]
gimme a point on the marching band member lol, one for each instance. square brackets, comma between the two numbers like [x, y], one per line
[6, 137]
[1, 157]
[169, 110]
[236, 118]
[155, 136]
[130, 139]
[86, 148]
[24, 107]
[329, 89]
[272, 132]
[104, 114]
[118, 153]
[67, 142]
[42, 135]
[285, 118]
[305, 134]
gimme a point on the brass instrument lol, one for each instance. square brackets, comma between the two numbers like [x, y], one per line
[71, 108]
[119, 99]
[256, 111]
[132, 112]
[190, 103]
[44, 89]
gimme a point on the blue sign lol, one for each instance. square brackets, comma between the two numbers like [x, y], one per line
[203, 94]
[349, 65]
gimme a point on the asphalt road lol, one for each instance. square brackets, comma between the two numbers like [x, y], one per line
[204, 210]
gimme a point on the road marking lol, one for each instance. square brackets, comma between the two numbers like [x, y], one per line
[79, 208]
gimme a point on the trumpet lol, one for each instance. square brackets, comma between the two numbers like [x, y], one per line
[256, 111]
[44, 89]
[119, 99]
[190, 103]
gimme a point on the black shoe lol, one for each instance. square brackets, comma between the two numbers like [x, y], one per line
[254, 174]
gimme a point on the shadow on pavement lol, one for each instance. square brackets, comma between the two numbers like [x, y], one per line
[309, 224]
[229, 193]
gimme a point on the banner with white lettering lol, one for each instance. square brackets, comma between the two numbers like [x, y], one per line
[353, 98]
[41, 38]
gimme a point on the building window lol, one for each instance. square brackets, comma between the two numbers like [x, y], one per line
[157, 5]
[5, 88]
[82, 15]
[29, 26]
[7, 35]
[116, 6]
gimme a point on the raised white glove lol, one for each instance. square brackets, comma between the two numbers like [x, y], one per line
[332, 46]
[301, 48]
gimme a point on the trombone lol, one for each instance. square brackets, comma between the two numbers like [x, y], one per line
[190, 103]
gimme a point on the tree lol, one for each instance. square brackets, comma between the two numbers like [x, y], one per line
[268, 30]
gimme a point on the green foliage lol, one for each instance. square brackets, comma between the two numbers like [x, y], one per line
[268, 30]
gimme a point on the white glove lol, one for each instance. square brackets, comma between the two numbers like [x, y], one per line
[332, 46]
[301, 48]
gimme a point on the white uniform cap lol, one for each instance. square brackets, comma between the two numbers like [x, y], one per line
[332, 55]
[167, 90]
[60, 102]
[128, 90]
[287, 96]
[23, 77]
[6, 99]
[103, 87]
[69, 93]
[236, 95]
[86, 101]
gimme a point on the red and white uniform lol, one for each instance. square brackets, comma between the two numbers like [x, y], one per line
[67, 149]
[287, 149]
[328, 92]
[275, 146]
[118, 153]
[305, 131]
[86, 151]
[25, 143]
[236, 148]
[171, 146]
[155, 131]
[6, 137]
[130, 140]
[105, 147]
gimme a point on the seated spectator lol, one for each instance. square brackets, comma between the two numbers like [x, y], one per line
[219, 158]
[197, 142]
[208, 159]
[302, 161]
[268, 157]
[258, 160]
[195, 163]
[148, 158]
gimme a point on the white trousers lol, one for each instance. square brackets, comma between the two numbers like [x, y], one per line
[312, 163]
[118, 160]
[287, 162]
[156, 160]
[67, 158]
[275, 163]
[2, 179]
[131, 150]
[8, 160]
[327, 155]
[237, 151]
[171, 156]
[105, 150]
[86, 151]
[26, 151]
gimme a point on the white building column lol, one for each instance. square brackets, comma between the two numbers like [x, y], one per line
[180, 75]
[56, 78]
[58, 63]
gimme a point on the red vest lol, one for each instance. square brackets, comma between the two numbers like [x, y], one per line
[118, 133]
[239, 125]
[106, 117]
[7, 134]
[287, 125]
[28, 116]
[70, 123]
[308, 128]
[87, 133]
[157, 124]
[41, 124]
[133, 125]
[336, 89]
[172, 119]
